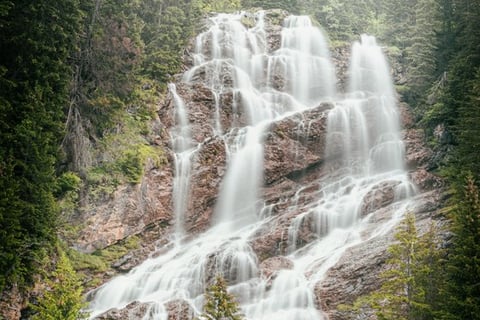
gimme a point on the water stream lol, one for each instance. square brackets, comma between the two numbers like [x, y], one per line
[363, 131]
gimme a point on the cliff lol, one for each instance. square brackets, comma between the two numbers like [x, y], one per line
[296, 169]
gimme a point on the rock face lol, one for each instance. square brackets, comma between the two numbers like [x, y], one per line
[134, 310]
[131, 209]
[294, 154]
[357, 272]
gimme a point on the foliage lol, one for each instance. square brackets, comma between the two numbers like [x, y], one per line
[219, 5]
[421, 60]
[91, 267]
[219, 304]
[36, 40]
[62, 298]
[462, 296]
[412, 279]
[289, 5]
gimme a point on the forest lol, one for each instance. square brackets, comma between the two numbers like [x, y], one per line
[79, 80]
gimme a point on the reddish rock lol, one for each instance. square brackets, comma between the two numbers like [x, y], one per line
[130, 210]
[270, 267]
[284, 156]
[354, 275]
[417, 154]
[357, 273]
[425, 180]
[179, 310]
[408, 122]
[208, 170]
[134, 310]
[379, 197]
[12, 301]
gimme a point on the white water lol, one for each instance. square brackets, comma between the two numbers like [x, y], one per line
[363, 134]
[184, 151]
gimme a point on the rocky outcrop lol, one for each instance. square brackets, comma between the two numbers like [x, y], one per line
[294, 157]
[357, 272]
[379, 197]
[12, 301]
[270, 267]
[208, 170]
[130, 210]
[179, 310]
[134, 310]
[296, 143]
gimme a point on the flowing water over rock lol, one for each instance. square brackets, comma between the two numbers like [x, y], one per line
[274, 94]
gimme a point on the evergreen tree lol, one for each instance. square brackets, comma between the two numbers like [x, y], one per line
[410, 284]
[62, 298]
[289, 5]
[400, 17]
[462, 299]
[462, 97]
[36, 40]
[421, 59]
[219, 305]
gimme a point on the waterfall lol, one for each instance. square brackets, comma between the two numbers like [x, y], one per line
[364, 151]
[183, 147]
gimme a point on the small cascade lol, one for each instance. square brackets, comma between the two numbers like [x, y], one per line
[364, 153]
[238, 201]
[183, 147]
[305, 60]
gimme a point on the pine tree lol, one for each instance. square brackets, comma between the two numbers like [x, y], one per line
[421, 59]
[36, 40]
[462, 299]
[62, 298]
[410, 284]
[220, 305]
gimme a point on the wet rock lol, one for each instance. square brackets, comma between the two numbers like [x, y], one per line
[357, 273]
[379, 197]
[309, 128]
[179, 310]
[295, 144]
[270, 241]
[354, 275]
[134, 310]
[270, 267]
[408, 122]
[284, 156]
[341, 59]
[208, 171]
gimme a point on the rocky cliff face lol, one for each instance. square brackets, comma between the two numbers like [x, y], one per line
[294, 158]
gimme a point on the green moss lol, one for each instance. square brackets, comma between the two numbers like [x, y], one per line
[92, 267]
[116, 251]
[84, 261]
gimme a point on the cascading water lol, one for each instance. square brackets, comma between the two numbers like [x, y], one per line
[183, 147]
[363, 139]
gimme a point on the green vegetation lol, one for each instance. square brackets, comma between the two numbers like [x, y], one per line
[219, 304]
[62, 297]
[80, 81]
[34, 83]
[411, 282]
[462, 292]
[91, 267]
